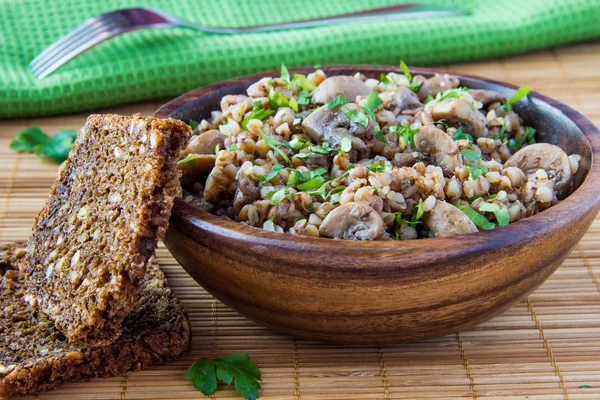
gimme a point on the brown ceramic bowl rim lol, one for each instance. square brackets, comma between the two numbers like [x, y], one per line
[583, 200]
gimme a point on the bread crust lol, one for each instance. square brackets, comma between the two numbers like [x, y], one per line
[106, 211]
[35, 356]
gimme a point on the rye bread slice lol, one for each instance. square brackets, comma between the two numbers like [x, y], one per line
[35, 356]
[106, 211]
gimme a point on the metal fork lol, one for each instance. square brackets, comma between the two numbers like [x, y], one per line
[108, 25]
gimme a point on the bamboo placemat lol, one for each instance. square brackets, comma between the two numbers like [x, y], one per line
[546, 347]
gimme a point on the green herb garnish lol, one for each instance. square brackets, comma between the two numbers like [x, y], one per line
[193, 124]
[189, 160]
[297, 176]
[384, 79]
[277, 100]
[274, 143]
[278, 196]
[460, 135]
[313, 183]
[285, 76]
[274, 172]
[479, 220]
[293, 104]
[302, 82]
[519, 94]
[338, 101]
[470, 155]
[501, 214]
[418, 214]
[304, 97]
[205, 372]
[373, 101]
[376, 167]
[358, 117]
[297, 143]
[476, 170]
[414, 86]
[406, 132]
[233, 147]
[454, 93]
[517, 143]
[346, 144]
[258, 112]
[34, 140]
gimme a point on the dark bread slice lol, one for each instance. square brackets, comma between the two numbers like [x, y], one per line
[36, 356]
[106, 211]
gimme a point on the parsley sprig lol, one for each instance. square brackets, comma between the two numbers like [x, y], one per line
[232, 368]
[258, 112]
[413, 85]
[516, 143]
[519, 94]
[34, 140]
[479, 220]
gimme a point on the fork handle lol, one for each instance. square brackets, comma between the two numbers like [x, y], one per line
[398, 11]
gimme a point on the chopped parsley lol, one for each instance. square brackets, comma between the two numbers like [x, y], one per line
[470, 155]
[373, 101]
[297, 177]
[277, 100]
[205, 372]
[233, 147]
[274, 143]
[454, 93]
[414, 86]
[406, 132]
[383, 79]
[479, 220]
[476, 170]
[376, 167]
[519, 94]
[193, 124]
[358, 117]
[274, 172]
[501, 214]
[304, 97]
[313, 183]
[293, 103]
[517, 143]
[302, 82]
[285, 76]
[346, 144]
[278, 196]
[34, 140]
[460, 135]
[297, 143]
[189, 160]
[258, 112]
[338, 101]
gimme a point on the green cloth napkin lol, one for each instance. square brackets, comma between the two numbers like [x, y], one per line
[157, 63]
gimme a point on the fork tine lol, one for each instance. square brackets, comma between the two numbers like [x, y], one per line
[75, 49]
[91, 25]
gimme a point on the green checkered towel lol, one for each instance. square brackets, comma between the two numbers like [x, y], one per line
[157, 63]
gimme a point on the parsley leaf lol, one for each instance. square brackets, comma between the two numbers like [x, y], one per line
[293, 103]
[285, 76]
[376, 167]
[470, 155]
[460, 135]
[358, 117]
[418, 214]
[233, 147]
[189, 160]
[479, 220]
[414, 86]
[383, 79]
[278, 196]
[401, 221]
[193, 124]
[373, 101]
[519, 94]
[313, 183]
[528, 136]
[297, 143]
[205, 372]
[274, 143]
[476, 170]
[302, 82]
[346, 144]
[274, 172]
[277, 100]
[406, 132]
[451, 93]
[501, 214]
[297, 176]
[304, 97]
[258, 112]
[339, 100]
[34, 140]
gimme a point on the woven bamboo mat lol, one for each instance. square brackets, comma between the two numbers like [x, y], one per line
[546, 347]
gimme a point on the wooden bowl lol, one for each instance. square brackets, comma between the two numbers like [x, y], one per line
[385, 291]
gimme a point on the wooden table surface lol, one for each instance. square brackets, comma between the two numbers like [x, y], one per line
[546, 347]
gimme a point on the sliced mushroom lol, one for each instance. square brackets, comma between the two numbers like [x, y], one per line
[405, 159]
[330, 126]
[436, 84]
[486, 97]
[205, 143]
[440, 147]
[354, 221]
[333, 86]
[548, 157]
[459, 113]
[247, 192]
[445, 220]
[316, 160]
[199, 164]
[404, 99]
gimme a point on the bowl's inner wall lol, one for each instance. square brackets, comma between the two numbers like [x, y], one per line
[551, 124]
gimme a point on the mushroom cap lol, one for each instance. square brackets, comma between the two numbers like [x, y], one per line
[436, 84]
[202, 164]
[548, 157]
[354, 221]
[486, 96]
[333, 86]
[440, 146]
[404, 99]
[205, 143]
[445, 220]
[459, 113]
